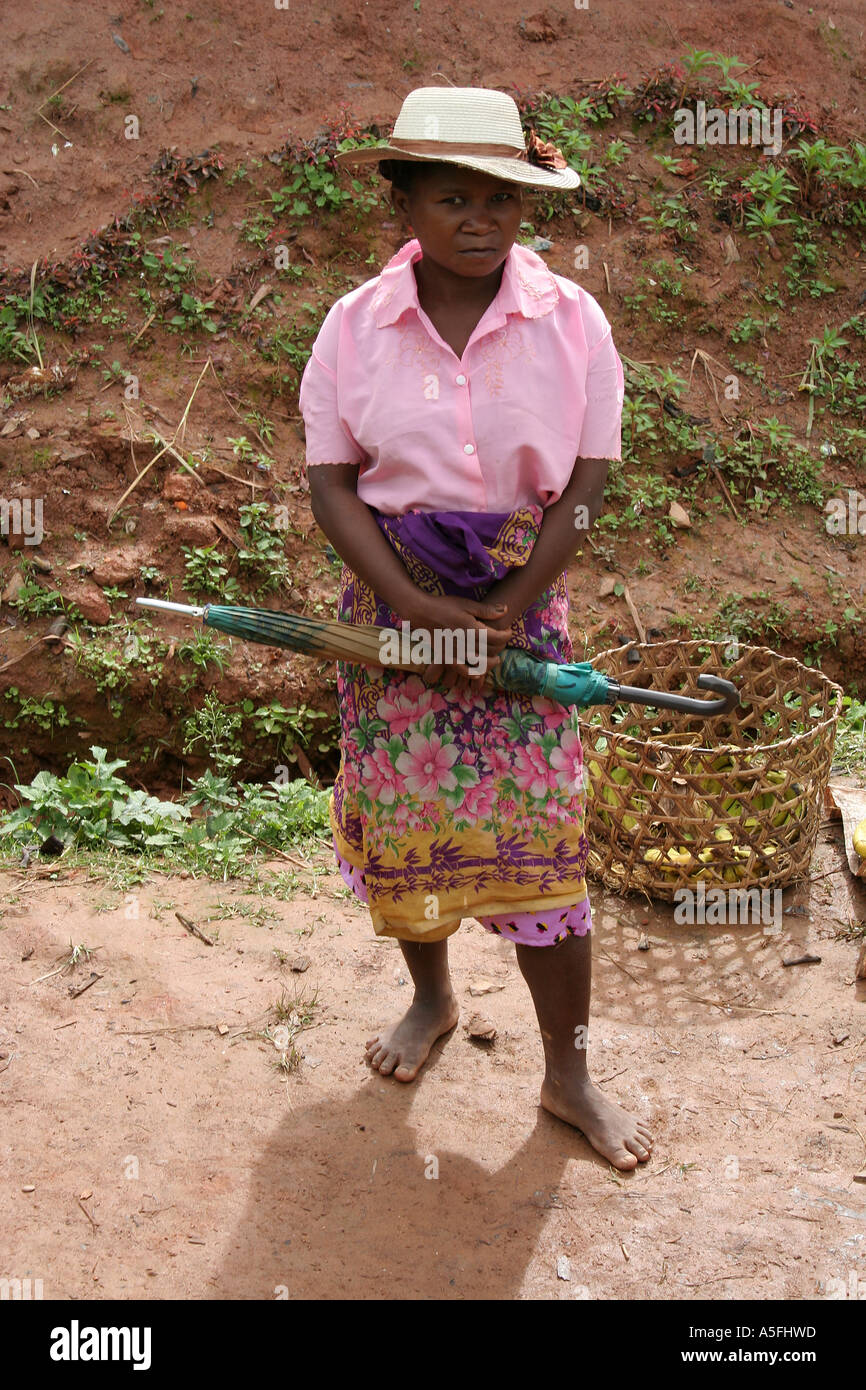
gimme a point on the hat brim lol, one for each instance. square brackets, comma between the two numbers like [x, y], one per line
[499, 166]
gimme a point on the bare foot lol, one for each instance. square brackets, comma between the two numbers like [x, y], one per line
[619, 1137]
[404, 1048]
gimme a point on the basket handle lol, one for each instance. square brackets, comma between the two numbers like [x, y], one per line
[707, 709]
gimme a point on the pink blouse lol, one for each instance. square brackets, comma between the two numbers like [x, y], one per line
[539, 385]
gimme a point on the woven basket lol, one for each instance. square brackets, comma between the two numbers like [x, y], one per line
[736, 800]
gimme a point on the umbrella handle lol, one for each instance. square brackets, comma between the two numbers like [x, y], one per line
[193, 609]
[707, 709]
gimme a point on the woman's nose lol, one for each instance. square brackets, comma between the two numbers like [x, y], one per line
[482, 220]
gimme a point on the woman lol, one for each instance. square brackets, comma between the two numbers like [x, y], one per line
[460, 409]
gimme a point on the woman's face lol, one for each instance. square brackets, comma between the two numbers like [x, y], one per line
[466, 221]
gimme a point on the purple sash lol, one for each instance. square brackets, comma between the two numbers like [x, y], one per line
[466, 550]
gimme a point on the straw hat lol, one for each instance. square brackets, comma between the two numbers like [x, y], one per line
[475, 127]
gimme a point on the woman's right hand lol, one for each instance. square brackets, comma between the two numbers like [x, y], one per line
[446, 611]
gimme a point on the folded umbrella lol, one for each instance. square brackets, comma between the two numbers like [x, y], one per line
[568, 683]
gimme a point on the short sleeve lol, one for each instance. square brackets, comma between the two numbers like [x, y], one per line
[601, 431]
[328, 438]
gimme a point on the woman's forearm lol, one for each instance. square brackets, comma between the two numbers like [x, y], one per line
[562, 528]
[350, 527]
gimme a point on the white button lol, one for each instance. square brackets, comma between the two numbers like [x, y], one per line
[469, 448]
[461, 380]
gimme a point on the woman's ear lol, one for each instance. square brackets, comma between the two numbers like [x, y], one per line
[400, 203]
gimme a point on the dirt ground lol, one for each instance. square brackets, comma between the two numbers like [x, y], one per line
[154, 1149]
[220, 74]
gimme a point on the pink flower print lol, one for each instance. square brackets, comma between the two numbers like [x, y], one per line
[351, 780]
[381, 780]
[506, 805]
[465, 699]
[532, 772]
[407, 703]
[552, 713]
[478, 802]
[557, 611]
[426, 766]
[497, 761]
[568, 761]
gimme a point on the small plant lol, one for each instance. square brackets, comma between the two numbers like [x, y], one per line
[750, 327]
[261, 424]
[291, 726]
[849, 754]
[15, 344]
[218, 727]
[672, 215]
[317, 185]
[192, 315]
[90, 805]
[77, 954]
[761, 220]
[264, 552]
[291, 1015]
[819, 161]
[32, 600]
[115, 373]
[206, 572]
[174, 272]
[41, 714]
[110, 655]
[293, 341]
[202, 648]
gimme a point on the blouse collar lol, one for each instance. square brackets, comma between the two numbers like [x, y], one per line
[528, 286]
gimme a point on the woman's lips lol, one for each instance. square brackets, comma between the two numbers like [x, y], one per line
[478, 251]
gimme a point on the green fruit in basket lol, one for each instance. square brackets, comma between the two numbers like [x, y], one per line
[777, 778]
[620, 775]
[722, 832]
[859, 840]
[595, 769]
[751, 823]
[652, 856]
[732, 806]
[630, 823]
[742, 851]
[679, 856]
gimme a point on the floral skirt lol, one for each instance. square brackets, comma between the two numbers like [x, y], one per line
[450, 803]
